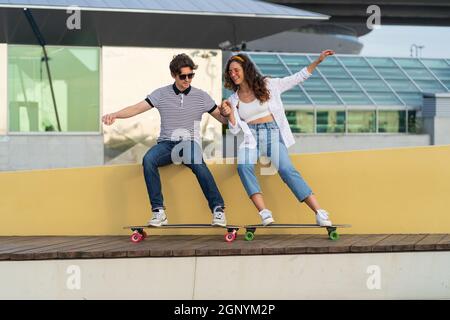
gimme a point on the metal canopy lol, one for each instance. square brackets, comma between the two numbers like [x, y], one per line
[180, 23]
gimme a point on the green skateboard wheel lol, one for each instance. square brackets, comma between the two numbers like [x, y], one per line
[334, 235]
[249, 236]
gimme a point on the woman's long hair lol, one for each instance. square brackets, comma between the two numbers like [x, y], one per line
[255, 80]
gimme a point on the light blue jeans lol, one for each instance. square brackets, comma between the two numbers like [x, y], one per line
[270, 145]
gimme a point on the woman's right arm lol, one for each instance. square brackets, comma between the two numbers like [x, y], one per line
[319, 60]
[227, 111]
[287, 83]
[127, 112]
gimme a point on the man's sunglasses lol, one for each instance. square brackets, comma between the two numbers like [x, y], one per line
[183, 76]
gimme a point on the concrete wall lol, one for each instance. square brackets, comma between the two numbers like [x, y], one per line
[442, 131]
[439, 127]
[27, 152]
[330, 143]
[401, 190]
[3, 90]
[436, 117]
[409, 275]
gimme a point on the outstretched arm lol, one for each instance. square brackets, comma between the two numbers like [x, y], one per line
[127, 112]
[286, 83]
[322, 57]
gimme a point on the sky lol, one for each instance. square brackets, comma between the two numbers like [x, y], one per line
[396, 41]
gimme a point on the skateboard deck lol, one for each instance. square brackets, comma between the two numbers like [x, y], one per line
[183, 225]
[139, 234]
[332, 233]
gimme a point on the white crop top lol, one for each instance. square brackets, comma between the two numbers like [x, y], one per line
[253, 110]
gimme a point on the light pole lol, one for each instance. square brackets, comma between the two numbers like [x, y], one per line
[417, 49]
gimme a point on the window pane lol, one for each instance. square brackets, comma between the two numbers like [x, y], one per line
[435, 63]
[415, 123]
[354, 62]
[382, 62]
[422, 74]
[374, 85]
[273, 70]
[385, 98]
[295, 96]
[363, 73]
[350, 97]
[411, 99]
[392, 121]
[324, 97]
[264, 59]
[295, 63]
[391, 73]
[335, 72]
[315, 84]
[430, 86]
[301, 121]
[402, 85]
[361, 121]
[442, 74]
[344, 84]
[270, 65]
[447, 84]
[409, 63]
[332, 121]
[76, 85]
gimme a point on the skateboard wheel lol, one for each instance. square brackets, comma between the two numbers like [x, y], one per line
[333, 235]
[249, 236]
[144, 234]
[136, 237]
[229, 237]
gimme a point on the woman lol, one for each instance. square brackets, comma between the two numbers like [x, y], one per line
[256, 109]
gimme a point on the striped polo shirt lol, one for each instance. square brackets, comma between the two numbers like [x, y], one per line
[181, 112]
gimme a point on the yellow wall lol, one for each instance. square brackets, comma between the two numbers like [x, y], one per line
[405, 190]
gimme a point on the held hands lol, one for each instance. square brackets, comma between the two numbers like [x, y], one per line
[325, 54]
[109, 119]
[225, 109]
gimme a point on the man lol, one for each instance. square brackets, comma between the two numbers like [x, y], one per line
[181, 107]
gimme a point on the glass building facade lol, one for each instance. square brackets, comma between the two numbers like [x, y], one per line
[355, 94]
[74, 105]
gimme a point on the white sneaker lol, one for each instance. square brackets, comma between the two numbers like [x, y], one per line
[266, 216]
[219, 217]
[159, 218]
[322, 218]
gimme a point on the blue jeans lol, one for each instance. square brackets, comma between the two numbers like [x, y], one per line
[270, 145]
[190, 154]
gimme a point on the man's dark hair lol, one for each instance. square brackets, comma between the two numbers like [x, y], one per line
[180, 61]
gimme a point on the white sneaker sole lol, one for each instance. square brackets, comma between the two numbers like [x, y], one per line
[268, 222]
[218, 224]
[162, 223]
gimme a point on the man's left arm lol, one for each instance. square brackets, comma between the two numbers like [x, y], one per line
[215, 112]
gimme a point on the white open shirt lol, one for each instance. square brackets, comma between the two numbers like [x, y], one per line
[276, 87]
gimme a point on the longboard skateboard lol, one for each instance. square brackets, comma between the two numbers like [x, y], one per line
[332, 233]
[139, 234]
